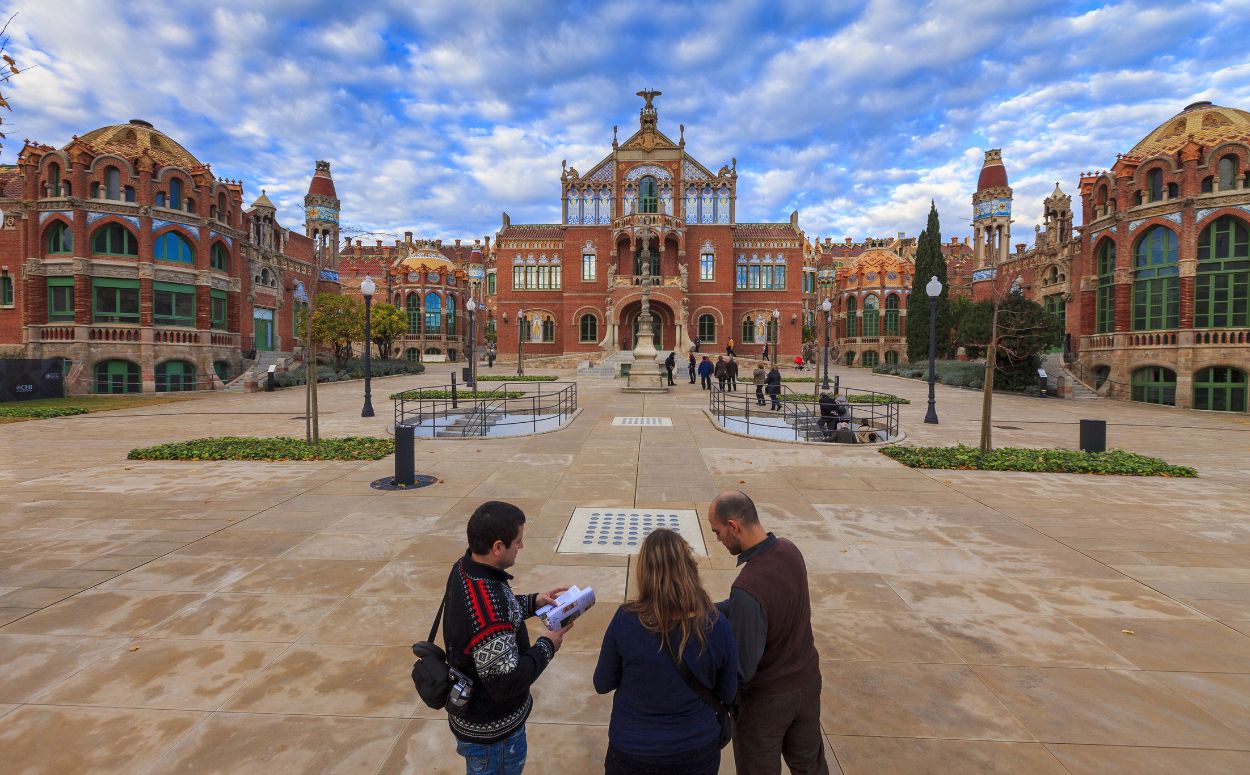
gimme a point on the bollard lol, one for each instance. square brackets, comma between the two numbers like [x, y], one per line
[1093, 435]
[454, 405]
[405, 454]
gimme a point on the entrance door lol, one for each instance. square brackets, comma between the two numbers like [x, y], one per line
[657, 327]
[263, 329]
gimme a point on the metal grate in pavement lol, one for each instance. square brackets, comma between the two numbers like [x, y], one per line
[657, 422]
[621, 530]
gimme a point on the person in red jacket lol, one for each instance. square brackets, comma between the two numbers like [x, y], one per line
[769, 607]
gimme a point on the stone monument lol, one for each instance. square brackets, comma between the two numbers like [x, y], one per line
[645, 376]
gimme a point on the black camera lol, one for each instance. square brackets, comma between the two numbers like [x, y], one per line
[461, 688]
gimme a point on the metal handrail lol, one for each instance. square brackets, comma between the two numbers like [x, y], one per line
[540, 402]
[801, 413]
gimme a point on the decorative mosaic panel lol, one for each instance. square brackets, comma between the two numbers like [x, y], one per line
[43, 216]
[648, 169]
[604, 173]
[622, 530]
[158, 224]
[984, 274]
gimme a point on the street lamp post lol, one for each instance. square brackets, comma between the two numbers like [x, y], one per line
[367, 287]
[934, 289]
[520, 344]
[471, 305]
[776, 333]
[826, 305]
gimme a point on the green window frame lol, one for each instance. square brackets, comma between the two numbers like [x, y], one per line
[891, 319]
[871, 318]
[1220, 389]
[60, 299]
[117, 376]
[589, 328]
[868, 359]
[1222, 280]
[852, 319]
[490, 284]
[114, 301]
[589, 269]
[173, 304]
[114, 240]
[219, 259]
[707, 327]
[648, 195]
[1104, 322]
[707, 266]
[891, 357]
[219, 304]
[740, 277]
[175, 377]
[172, 246]
[549, 330]
[413, 308]
[1156, 281]
[297, 318]
[59, 238]
[433, 314]
[1154, 385]
[748, 331]
[451, 315]
[6, 290]
[1055, 306]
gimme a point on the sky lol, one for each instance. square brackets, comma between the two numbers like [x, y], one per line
[439, 115]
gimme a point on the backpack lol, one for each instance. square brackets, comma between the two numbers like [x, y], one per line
[430, 673]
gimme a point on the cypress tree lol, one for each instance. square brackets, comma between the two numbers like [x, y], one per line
[929, 263]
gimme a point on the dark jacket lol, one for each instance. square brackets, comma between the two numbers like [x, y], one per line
[773, 382]
[731, 369]
[670, 362]
[826, 405]
[484, 629]
[705, 368]
[722, 369]
[654, 713]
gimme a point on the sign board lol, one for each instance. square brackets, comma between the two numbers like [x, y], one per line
[1041, 373]
[23, 379]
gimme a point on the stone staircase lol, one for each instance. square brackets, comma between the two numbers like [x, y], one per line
[457, 428]
[256, 372]
[1055, 367]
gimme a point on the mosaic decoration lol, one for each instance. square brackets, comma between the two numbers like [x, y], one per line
[984, 274]
[323, 214]
[1173, 217]
[604, 173]
[690, 172]
[157, 225]
[692, 204]
[622, 531]
[329, 275]
[476, 273]
[1200, 215]
[991, 208]
[648, 169]
[218, 235]
[722, 205]
[133, 220]
[431, 277]
[46, 213]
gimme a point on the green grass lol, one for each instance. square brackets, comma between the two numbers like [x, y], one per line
[1114, 462]
[515, 378]
[461, 393]
[278, 448]
[43, 408]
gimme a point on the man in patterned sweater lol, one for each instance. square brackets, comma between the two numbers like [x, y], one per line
[484, 625]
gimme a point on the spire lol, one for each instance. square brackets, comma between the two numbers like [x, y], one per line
[262, 201]
[993, 173]
[322, 184]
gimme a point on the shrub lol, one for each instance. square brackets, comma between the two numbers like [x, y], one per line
[40, 412]
[969, 374]
[515, 378]
[355, 370]
[1056, 461]
[279, 448]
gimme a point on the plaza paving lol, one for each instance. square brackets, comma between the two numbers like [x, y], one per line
[257, 617]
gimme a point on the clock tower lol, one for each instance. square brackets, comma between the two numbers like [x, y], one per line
[991, 213]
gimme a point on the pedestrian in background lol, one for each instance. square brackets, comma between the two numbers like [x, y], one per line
[772, 387]
[670, 363]
[731, 371]
[722, 371]
[705, 373]
[693, 367]
[758, 378]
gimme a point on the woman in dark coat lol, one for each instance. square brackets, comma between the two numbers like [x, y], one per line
[772, 386]
[722, 371]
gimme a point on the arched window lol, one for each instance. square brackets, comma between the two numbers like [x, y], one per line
[433, 314]
[1154, 385]
[54, 179]
[869, 359]
[175, 194]
[1220, 389]
[117, 377]
[1154, 182]
[707, 328]
[748, 330]
[1173, 191]
[1228, 173]
[852, 319]
[648, 195]
[413, 308]
[872, 317]
[891, 319]
[1208, 184]
[1104, 322]
[589, 327]
[60, 238]
[1156, 281]
[220, 259]
[175, 377]
[223, 214]
[412, 354]
[655, 262]
[114, 240]
[1222, 283]
[549, 329]
[451, 315]
[891, 357]
[112, 183]
[172, 246]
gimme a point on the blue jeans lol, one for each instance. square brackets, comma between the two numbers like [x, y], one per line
[507, 757]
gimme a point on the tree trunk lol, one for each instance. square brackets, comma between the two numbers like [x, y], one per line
[987, 395]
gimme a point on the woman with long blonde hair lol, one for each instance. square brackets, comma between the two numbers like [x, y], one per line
[660, 722]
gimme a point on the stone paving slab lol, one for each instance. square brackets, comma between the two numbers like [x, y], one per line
[256, 617]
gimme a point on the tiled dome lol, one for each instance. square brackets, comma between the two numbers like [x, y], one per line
[129, 140]
[1209, 125]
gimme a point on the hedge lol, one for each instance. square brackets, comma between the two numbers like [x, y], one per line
[1056, 461]
[515, 378]
[278, 448]
[462, 393]
[41, 412]
[355, 370]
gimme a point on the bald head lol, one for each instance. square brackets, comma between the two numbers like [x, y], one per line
[735, 505]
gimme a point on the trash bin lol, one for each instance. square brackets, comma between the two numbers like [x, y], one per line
[1093, 435]
[405, 454]
[625, 367]
[466, 374]
[269, 379]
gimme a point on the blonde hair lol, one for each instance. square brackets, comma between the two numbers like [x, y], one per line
[669, 591]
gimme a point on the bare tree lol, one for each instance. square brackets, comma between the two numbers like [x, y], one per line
[7, 71]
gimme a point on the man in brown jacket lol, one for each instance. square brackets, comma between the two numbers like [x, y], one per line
[779, 668]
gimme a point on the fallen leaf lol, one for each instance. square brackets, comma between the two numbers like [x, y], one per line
[1128, 632]
[134, 648]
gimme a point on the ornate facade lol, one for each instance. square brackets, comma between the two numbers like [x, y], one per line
[122, 253]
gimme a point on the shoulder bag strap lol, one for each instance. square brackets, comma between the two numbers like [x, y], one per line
[695, 685]
[438, 619]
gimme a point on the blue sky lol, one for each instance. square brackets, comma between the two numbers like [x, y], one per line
[437, 115]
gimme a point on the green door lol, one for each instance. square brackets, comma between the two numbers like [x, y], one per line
[263, 329]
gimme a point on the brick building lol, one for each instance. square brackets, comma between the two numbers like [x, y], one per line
[124, 254]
